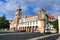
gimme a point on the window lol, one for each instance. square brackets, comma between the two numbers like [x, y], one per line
[36, 22]
[30, 23]
[33, 22]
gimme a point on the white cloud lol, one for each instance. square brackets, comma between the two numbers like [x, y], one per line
[31, 0]
[56, 7]
[56, 14]
[11, 5]
[37, 9]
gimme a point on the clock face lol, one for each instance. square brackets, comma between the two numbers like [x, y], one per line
[42, 16]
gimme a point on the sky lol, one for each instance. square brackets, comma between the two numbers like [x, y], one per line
[30, 7]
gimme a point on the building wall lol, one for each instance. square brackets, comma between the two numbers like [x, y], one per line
[41, 28]
[59, 23]
[30, 23]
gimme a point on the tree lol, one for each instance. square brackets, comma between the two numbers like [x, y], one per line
[55, 24]
[3, 22]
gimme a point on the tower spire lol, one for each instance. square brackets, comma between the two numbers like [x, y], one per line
[19, 10]
[19, 7]
[42, 13]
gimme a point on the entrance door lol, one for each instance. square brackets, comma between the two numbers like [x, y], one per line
[29, 29]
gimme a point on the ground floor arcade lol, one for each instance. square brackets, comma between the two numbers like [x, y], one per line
[28, 29]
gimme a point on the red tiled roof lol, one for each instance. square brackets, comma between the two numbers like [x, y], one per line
[38, 16]
[50, 16]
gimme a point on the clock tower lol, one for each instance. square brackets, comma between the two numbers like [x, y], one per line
[42, 13]
[42, 19]
[18, 12]
[18, 16]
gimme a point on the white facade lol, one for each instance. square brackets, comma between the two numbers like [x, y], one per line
[27, 22]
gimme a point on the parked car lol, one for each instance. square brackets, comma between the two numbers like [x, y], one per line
[50, 31]
[47, 31]
[53, 31]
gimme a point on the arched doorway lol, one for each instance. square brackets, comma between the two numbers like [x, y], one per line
[30, 29]
[14, 28]
[36, 27]
[33, 28]
[19, 28]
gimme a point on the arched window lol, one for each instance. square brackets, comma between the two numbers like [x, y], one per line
[33, 23]
[36, 22]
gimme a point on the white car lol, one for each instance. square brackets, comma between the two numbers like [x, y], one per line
[53, 31]
[50, 31]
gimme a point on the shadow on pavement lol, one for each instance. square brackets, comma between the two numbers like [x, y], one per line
[20, 36]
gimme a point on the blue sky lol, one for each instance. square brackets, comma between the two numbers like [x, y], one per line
[30, 7]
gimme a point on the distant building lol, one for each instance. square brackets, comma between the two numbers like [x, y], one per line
[59, 23]
[40, 22]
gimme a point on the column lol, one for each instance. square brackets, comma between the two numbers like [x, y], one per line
[27, 29]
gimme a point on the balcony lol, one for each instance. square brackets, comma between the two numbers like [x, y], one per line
[50, 20]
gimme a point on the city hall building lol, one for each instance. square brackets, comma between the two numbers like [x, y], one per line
[40, 21]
